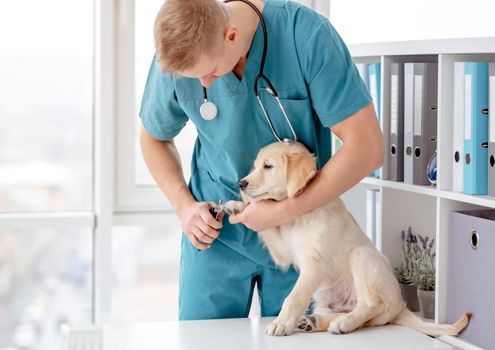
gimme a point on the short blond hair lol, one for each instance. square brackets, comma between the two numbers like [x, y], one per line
[185, 29]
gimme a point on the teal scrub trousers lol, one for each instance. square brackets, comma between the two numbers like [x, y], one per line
[219, 282]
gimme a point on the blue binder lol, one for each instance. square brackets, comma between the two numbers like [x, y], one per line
[476, 128]
[374, 81]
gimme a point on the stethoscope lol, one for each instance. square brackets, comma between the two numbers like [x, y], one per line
[208, 109]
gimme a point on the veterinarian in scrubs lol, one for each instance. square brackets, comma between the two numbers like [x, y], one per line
[320, 89]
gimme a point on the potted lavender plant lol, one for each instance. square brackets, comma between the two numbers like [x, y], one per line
[424, 276]
[406, 271]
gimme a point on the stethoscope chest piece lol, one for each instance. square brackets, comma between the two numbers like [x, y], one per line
[208, 110]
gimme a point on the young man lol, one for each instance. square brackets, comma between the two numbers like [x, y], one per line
[219, 46]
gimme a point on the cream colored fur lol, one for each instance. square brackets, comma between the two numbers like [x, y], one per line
[351, 283]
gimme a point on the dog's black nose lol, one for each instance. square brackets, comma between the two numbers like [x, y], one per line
[243, 184]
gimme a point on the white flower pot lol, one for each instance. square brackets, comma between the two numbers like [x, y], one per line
[427, 303]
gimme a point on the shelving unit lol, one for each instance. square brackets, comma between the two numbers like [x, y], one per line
[424, 208]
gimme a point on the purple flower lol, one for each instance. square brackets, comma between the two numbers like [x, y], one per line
[423, 241]
[431, 243]
[416, 247]
[403, 236]
[433, 255]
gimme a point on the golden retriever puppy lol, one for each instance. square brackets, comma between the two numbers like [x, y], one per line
[351, 283]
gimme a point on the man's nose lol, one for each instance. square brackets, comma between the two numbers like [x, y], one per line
[243, 184]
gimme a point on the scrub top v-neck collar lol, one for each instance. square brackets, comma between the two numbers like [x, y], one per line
[239, 86]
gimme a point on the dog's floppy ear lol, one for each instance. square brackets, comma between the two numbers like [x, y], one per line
[300, 169]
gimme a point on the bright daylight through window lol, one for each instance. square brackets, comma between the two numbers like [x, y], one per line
[46, 113]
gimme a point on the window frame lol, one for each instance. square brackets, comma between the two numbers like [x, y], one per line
[130, 196]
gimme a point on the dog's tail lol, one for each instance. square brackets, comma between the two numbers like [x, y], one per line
[407, 318]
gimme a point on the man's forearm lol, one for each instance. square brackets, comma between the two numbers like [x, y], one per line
[163, 162]
[344, 170]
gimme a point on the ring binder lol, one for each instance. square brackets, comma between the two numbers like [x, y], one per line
[476, 128]
[458, 126]
[420, 119]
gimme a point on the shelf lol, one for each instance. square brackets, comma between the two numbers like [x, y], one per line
[424, 47]
[485, 201]
[480, 200]
[427, 190]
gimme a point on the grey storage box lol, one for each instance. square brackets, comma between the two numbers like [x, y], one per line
[471, 274]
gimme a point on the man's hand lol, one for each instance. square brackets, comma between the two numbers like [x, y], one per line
[262, 215]
[198, 224]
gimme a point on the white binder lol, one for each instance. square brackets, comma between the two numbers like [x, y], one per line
[336, 144]
[408, 123]
[371, 214]
[378, 220]
[458, 136]
[395, 152]
[363, 72]
[373, 217]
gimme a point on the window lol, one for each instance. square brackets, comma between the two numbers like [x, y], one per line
[45, 282]
[46, 105]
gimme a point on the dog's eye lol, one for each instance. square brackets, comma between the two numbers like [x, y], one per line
[268, 166]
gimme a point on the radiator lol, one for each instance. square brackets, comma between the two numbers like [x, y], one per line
[82, 339]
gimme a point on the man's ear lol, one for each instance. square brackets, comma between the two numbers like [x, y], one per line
[231, 33]
[300, 169]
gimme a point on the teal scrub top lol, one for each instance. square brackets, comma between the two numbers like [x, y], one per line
[318, 84]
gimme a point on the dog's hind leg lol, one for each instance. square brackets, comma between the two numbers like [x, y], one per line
[365, 270]
[355, 319]
[409, 319]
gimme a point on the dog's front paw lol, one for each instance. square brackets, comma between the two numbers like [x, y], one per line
[234, 207]
[279, 327]
[341, 325]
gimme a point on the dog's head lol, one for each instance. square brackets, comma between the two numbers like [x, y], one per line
[280, 170]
